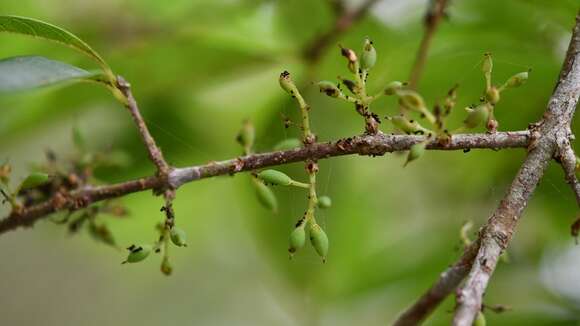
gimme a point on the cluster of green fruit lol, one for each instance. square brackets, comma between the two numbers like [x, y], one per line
[138, 253]
[411, 101]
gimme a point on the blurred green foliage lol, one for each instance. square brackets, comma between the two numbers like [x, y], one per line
[198, 68]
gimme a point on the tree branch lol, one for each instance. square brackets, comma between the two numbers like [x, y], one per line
[552, 130]
[448, 281]
[435, 12]
[370, 145]
[343, 22]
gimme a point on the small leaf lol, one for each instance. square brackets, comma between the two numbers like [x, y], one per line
[34, 180]
[40, 29]
[28, 72]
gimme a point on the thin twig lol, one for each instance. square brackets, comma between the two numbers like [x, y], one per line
[497, 233]
[435, 13]
[448, 281]
[314, 50]
[567, 159]
[374, 145]
[154, 152]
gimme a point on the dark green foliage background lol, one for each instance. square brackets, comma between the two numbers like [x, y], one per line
[198, 69]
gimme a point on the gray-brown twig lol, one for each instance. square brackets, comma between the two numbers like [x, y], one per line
[435, 12]
[314, 50]
[374, 145]
[155, 154]
[552, 130]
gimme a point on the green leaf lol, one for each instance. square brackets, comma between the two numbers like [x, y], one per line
[40, 29]
[33, 180]
[27, 72]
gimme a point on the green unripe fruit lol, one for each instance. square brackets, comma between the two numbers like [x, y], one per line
[34, 180]
[265, 196]
[329, 88]
[138, 253]
[297, 237]
[166, 267]
[369, 55]
[287, 144]
[492, 95]
[479, 319]
[178, 237]
[487, 65]
[415, 152]
[407, 126]
[517, 80]
[275, 177]
[411, 100]
[324, 202]
[393, 87]
[287, 84]
[319, 240]
[477, 116]
[247, 134]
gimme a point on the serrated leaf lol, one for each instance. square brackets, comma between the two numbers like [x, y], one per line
[36, 28]
[27, 72]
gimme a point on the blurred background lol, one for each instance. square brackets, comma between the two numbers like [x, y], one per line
[198, 69]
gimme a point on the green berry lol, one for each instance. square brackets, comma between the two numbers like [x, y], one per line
[319, 240]
[138, 253]
[275, 177]
[477, 116]
[415, 152]
[297, 237]
[369, 55]
[324, 202]
[287, 144]
[393, 87]
[178, 237]
[517, 80]
[329, 88]
[411, 100]
[34, 180]
[265, 196]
